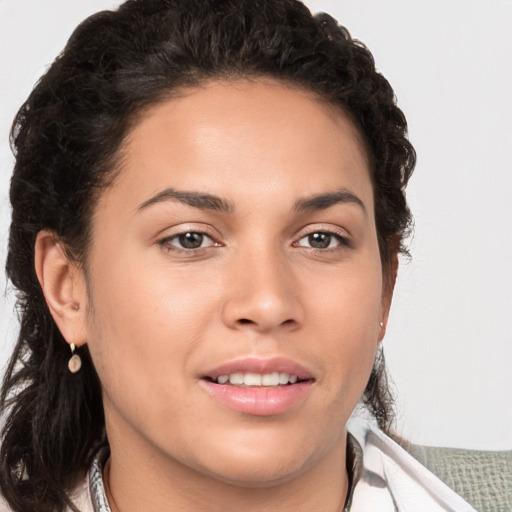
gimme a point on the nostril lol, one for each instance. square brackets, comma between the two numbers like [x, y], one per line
[245, 321]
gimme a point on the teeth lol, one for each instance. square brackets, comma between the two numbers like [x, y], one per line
[236, 378]
[284, 378]
[252, 379]
[270, 379]
[257, 379]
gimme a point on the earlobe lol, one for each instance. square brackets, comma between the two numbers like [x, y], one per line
[63, 284]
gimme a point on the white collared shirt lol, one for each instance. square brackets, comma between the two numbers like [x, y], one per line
[392, 480]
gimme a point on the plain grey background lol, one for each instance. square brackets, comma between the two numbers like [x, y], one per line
[449, 341]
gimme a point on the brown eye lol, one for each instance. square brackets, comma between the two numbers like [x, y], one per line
[191, 240]
[323, 240]
[319, 240]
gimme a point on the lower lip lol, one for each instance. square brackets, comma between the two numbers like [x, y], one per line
[259, 401]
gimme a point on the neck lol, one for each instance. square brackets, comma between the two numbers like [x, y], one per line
[135, 482]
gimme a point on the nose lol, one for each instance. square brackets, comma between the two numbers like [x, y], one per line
[262, 294]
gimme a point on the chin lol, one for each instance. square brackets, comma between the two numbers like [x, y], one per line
[261, 474]
[264, 462]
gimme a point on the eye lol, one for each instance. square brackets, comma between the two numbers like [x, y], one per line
[189, 241]
[322, 240]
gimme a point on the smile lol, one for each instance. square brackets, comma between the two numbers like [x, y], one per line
[259, 387]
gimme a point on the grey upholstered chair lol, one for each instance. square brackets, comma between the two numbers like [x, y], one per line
[482, 478]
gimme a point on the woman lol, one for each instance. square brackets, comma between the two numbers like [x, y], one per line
[212, 193]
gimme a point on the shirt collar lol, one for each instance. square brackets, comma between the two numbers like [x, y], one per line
[96, 486]
[354, 468]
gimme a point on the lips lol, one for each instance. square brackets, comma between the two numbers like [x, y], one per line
[259, 387]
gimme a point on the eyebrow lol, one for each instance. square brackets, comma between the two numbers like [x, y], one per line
[324, 201]
[205, 201]
[194, 199]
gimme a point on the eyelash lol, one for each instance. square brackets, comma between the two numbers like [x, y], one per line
[343, 242]
[167, 244]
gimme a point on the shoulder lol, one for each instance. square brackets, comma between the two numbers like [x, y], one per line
[3, 505]
[391, 475]
[80, 496]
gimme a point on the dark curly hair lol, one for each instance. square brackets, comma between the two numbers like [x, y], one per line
[66, 139]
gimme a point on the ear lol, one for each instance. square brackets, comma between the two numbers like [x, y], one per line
[63, 284]
[388, 286]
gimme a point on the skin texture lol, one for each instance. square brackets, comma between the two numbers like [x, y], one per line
[157, 316]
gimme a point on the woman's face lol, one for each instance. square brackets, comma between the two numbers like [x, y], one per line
[236, 253]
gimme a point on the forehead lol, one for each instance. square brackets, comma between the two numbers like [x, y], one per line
[244, 138]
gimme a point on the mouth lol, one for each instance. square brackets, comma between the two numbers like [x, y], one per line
[259, 387]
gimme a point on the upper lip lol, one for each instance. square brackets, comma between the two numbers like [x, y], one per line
[261, 366]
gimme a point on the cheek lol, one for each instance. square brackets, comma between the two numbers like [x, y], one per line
[347, 325]
[348, 301]
[145, 324]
